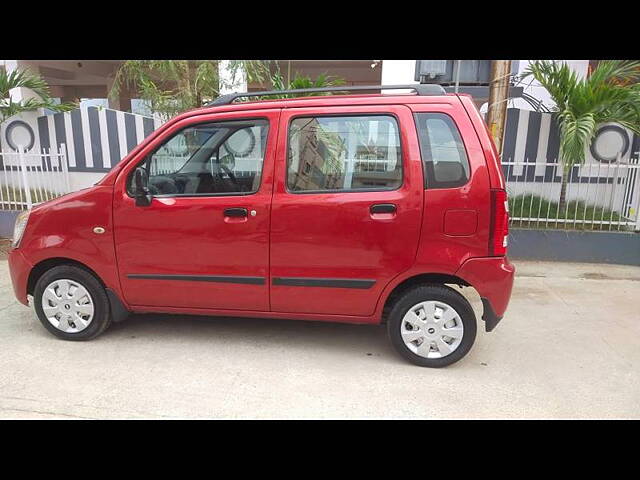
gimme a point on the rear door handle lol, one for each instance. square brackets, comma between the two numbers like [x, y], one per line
[235, 212]
[383, 208]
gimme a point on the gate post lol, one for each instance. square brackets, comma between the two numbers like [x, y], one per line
[636, 191]
[25, 181]
[637, 212]
[65, 166]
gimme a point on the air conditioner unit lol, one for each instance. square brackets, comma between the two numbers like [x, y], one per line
[430, 69]
[471, 72]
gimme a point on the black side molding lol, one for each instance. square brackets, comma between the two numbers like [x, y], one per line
[324, 282]
[118, 311]
[489, 316]
[201, 278]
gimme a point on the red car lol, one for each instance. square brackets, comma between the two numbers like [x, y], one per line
[341, 208]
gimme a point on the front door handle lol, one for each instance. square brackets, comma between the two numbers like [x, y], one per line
[383, 208]
[235, 212]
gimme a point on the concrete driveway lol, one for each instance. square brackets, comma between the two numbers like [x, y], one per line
[569, 347]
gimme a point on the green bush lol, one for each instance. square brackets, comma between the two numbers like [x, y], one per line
[541, 209]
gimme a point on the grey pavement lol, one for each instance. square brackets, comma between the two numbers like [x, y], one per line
[569, 347]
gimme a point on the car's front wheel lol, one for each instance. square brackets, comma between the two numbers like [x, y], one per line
[71, 303]
[432, 326]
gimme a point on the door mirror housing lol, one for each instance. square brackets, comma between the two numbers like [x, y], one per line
[142, 196]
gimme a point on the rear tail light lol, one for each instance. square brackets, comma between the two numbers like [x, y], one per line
[499, 223]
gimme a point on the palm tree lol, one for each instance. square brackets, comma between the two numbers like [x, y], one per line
[173, 86]
[300, 82]
[268, 72]
[610, 94]
[25, 79]
[169, 86]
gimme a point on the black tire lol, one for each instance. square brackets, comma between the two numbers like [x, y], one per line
[102, 314]
[439, 293]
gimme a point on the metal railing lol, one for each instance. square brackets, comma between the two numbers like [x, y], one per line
[29, 178]
[598, 196]
[165, 163]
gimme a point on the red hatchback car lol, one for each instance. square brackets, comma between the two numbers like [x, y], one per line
[343, 208]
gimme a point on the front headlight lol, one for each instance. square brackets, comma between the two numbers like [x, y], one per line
[20, 226]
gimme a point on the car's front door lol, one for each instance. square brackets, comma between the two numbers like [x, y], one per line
[203, 240]
[347, 207]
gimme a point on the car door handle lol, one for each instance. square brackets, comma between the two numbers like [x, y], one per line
[383, 208]
[235, 212]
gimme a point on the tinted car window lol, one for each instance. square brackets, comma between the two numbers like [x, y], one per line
[212, 158]
[443, 154]
[348, 153]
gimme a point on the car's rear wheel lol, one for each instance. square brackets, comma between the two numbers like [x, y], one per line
[71, 303]
[432, 326]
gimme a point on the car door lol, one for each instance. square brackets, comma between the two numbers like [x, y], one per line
[203, 241]
[347, 207]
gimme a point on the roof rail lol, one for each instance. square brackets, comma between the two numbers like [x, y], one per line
[420, 89]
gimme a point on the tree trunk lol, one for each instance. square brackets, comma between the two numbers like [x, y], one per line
[191, 82]
[563, 190]
[219, 67]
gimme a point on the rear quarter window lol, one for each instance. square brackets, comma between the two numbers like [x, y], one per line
[444, 158]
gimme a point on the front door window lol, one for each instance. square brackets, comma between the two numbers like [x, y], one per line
[209, 159]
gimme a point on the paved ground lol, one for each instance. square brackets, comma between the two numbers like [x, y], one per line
[5, 246]
[568, 348]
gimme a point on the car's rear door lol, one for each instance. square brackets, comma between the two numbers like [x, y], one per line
[347, 207]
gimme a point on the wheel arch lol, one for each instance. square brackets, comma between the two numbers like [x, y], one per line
[418, 279]
[44, 265]
[119, 309]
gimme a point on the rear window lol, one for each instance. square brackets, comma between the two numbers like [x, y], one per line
[444, 158]
[344, 153]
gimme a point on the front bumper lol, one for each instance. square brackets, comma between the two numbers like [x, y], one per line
[492, 277]
[19, 269]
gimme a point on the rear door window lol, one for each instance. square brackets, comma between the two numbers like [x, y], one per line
[344, 153]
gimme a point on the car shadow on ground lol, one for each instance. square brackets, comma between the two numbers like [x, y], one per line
[267, 333]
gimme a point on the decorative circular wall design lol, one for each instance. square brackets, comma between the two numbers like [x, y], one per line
[241, 143]
[19, 133]
[610, 140]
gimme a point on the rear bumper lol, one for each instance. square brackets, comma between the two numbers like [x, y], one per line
[493, 278]
[19, 269]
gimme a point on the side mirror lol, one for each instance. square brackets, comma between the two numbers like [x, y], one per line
[143, 197]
